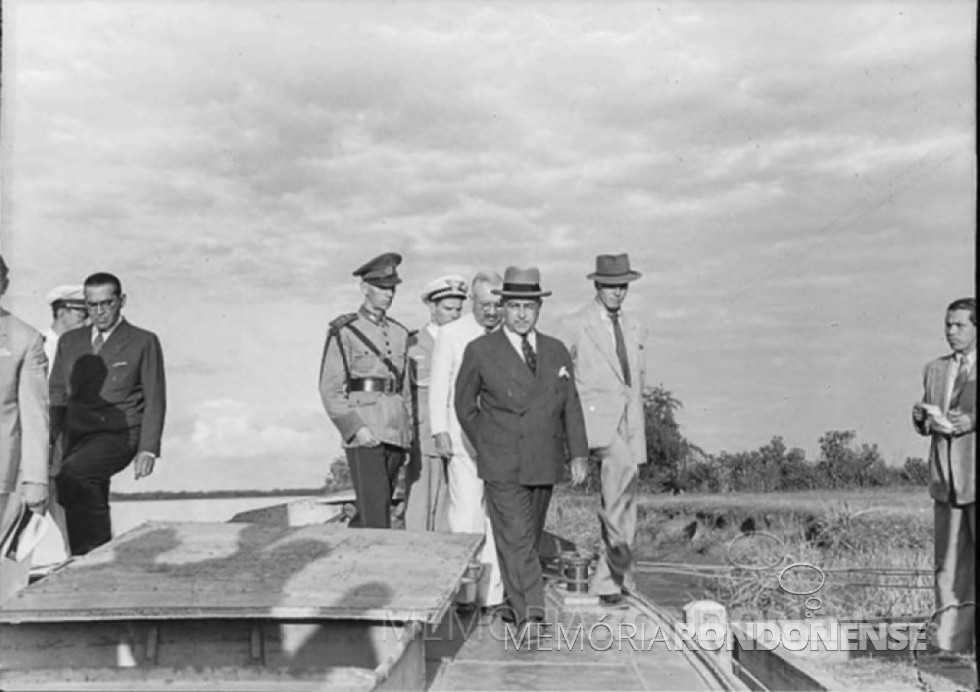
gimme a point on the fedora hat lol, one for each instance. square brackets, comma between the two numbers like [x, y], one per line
[613, 269]
[521, 283]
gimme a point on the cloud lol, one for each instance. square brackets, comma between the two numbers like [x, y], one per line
[772, 169]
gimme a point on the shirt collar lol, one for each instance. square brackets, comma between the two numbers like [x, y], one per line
[373, 318]
[515, 338]
[970, 356]
[107, 333]
[604, 312]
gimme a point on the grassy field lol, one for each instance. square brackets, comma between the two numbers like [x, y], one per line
[867, 553]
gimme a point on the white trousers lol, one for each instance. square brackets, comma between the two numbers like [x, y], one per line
[467, 513]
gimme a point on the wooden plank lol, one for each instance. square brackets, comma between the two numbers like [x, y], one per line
[214, 679]
[202, 570]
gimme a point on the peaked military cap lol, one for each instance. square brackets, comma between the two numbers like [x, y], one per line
[381, 271]
[67, 295]
[451, 286]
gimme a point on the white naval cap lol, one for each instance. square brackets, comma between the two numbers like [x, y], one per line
[450, 286]
[66, 294]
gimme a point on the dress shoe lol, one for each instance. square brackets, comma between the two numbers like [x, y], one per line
[612, 600]
[502, 612]
[542, 630]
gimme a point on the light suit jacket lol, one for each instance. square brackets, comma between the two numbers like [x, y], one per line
[524, 426]
[23, 404]
[599, 377]
[447, 356]
[952, 460]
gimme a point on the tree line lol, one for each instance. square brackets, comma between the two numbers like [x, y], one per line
[677, 465]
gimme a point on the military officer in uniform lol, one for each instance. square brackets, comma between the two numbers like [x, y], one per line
[363, 387]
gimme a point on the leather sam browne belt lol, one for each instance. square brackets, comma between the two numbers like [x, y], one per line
[382, 385]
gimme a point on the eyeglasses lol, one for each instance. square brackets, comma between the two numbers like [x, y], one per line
[100, 305]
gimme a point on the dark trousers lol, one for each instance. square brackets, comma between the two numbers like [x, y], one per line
[517, 513]
[374, 472]
[83, 485]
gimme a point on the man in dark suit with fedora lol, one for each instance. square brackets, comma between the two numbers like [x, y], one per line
[516, 401]
[108, 403]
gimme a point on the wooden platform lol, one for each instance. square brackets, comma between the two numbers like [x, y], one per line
[467, 652]
[236, 606]
[200, 570]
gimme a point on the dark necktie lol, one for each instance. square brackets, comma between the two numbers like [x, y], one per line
[97, 343]
[529, 357]
[620, 347]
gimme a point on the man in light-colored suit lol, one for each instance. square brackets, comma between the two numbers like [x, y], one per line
[606, 345]
[947, 413]
[108, 404]
[23, 428]
[466, 509]
[516, 400]
[425, 475]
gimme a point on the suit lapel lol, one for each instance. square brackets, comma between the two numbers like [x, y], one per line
[116, 341]
[510, 363]
[596, 330]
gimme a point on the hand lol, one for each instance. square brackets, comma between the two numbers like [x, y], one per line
[961, 422]
[35, 497]
[919, 412]
[444, 445]
[365, 438]
[580, 470]
[143, 464]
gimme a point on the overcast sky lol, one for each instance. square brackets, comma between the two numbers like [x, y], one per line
[795, 181]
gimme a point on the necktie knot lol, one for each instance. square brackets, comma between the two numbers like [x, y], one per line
[97, 343]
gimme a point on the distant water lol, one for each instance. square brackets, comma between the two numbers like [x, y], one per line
[127, 514]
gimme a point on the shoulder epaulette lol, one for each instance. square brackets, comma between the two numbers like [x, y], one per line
[343, 321]
[394, 321]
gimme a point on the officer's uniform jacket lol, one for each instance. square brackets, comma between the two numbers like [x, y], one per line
[348, 360]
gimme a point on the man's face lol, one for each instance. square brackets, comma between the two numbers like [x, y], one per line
[446, 310]
[961, 333]
[104, 306]
[612, 296]
[72, 317]
[377, 298]
[521, 314]
[486, 306]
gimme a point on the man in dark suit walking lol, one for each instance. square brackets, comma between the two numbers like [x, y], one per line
[516, 401]
[108, 402]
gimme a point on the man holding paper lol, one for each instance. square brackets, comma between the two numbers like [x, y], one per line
[23, 429]
[947, 413]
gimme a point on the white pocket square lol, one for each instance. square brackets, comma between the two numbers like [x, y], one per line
[119, 364]
[563, 373]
